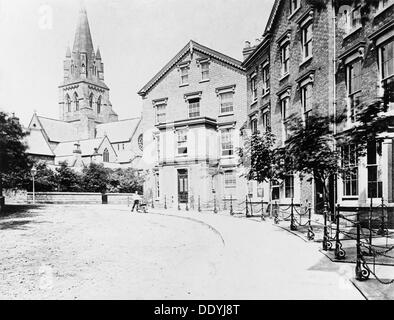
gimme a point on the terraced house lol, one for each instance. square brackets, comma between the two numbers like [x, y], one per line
[192, 111]
[290, 70]
[365, 71]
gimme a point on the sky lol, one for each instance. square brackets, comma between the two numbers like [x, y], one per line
[136, 39]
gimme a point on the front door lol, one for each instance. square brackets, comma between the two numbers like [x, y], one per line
[183, 194]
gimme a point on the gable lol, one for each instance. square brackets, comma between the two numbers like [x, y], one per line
[189, 49]
[119, 131]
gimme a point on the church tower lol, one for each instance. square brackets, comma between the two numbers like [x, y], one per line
[84, 97]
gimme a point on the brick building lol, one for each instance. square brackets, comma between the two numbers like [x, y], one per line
[290, 70]
[192, 111]
[365, 71]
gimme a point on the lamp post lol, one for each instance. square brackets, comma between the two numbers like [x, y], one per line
[33, 172]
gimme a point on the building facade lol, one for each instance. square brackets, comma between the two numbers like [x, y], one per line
[88, 129]
[365, 72]
[192, 112]
[290, 71]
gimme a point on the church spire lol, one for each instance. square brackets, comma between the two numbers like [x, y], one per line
[83, 40]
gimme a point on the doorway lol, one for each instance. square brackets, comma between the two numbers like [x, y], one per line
[183, 194]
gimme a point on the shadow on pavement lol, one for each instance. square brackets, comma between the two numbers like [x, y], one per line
[18, 211]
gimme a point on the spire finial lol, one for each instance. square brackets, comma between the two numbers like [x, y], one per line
[83, 39]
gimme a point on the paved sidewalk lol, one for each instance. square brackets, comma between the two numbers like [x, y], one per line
[370, 289]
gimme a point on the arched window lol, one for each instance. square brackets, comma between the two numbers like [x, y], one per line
[91, 101]
[76, 101]
[99, 104]
[83, 69]
[68, 103]
[105, 155]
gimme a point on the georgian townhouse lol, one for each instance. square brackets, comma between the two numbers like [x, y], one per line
[289, 72]
[192, 111]
[365, 71]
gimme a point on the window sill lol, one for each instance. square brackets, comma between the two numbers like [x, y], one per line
[303, 62]
[293, 13]
[253, 104]
[181, 156]
[183, 85]
[351, 32]
[204, 80]
[226, 114]
[350, 198]
[265, 94]
[284, 77]
[381, 10]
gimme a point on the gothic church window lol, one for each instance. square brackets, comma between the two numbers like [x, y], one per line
[99, 104]
[105, 155]
[91, 101]
[68, 103]
[76, 101]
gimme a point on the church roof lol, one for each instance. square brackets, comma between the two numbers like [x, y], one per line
[119, 131]
[190, 47]
[57, 130]
[87, 147]
[37, 144]
[83, 39]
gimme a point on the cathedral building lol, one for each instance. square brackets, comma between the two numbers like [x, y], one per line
[88, 129]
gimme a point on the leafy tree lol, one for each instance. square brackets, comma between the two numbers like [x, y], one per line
[310, 148]
[259, 157]
[67, 179]
[45, 179]
[95, 178]
[126, 180]
[14, 162]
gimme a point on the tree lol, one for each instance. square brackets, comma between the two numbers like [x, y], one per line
[45, 179]
[126, 180]
[95, 178]
[68, 180]
[259, 157]
[14, 162]
[311, 148]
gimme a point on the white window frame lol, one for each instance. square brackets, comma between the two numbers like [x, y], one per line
[285, 58]
[230, 179]
[157, 104]
[294, 6]
[227, 142]
[307, 43]
[182, 135]
[306, 100]
[265, 72]
[253, 86]
[352, 94]
[204, 65]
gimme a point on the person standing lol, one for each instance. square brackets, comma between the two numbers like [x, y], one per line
[136, 203]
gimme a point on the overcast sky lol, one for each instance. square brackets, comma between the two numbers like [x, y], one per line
[136, 39]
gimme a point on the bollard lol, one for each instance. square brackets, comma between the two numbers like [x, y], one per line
[293, 227]
[224, 204]
[276, 213]
[339, 252]
[370, 229]
[362, 273]
[153, 203]
[187, 205]
[199, 205]
[382, 229]
[165, 202]
[179, 205]
[262, 210]
[231, 205]
[311, 234]
[215, 210]
[246, 206]
[326, 241]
